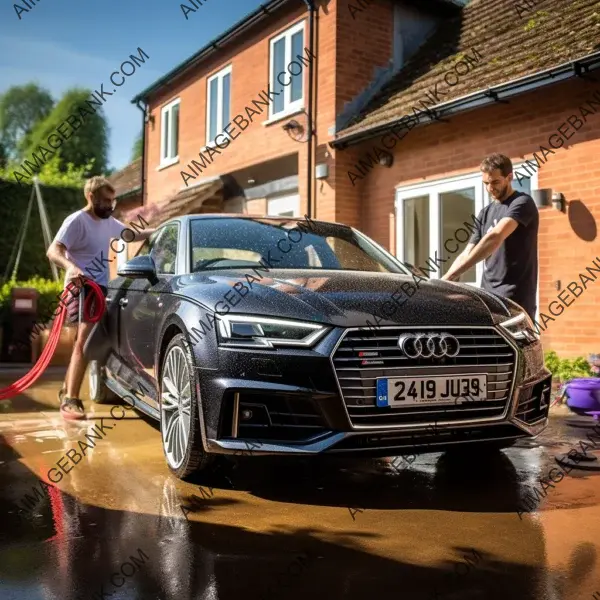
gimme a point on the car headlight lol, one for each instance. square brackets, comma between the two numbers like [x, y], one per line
[263, 332]
[520, 328]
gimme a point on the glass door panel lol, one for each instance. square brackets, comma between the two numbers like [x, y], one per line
[416, 230]
[456, 208]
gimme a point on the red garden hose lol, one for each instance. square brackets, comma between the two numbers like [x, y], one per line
[44, 360]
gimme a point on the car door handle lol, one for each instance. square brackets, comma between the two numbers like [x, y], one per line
[123, 302]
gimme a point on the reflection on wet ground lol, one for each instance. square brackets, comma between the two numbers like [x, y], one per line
[119, 526]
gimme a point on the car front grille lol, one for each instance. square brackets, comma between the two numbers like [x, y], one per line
[482, 351]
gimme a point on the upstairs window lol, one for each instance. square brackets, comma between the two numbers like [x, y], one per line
[286, 67]
[169, 133]
[218, 104]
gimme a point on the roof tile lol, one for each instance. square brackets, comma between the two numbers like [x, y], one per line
[515, 38]
[128, 179]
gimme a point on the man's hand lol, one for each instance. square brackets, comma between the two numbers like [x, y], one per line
[74, 272]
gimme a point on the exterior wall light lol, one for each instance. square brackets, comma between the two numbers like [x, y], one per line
[542, 197]
[386, 160]
[322, 171]
[558, 201]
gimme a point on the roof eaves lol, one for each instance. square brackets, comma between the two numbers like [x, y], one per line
[258, 15]
[499, 93]
[126, 194]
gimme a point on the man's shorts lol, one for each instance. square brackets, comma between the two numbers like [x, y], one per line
[73, 300]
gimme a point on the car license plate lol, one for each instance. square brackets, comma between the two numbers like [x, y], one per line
[412, 391]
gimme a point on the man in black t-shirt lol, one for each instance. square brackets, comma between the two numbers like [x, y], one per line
[505, 238]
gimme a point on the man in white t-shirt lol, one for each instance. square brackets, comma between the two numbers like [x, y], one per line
[81, 248]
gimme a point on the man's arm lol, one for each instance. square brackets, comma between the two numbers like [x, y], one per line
[57, 253]
[460, 259]
[143, 235]
[489, 243]
[140, 234]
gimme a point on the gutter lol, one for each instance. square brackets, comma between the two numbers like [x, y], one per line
[312, 11]
[240, 28]
[500, 93]
[128, 194]
[145, 114]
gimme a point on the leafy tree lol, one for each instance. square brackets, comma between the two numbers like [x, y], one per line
[3, 156]
[87, 143]
[138, 148]
[22, 107]
[54, 173]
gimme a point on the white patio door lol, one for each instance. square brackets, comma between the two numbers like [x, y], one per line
[430, 221]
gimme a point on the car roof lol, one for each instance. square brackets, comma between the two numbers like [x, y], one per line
[185, 218]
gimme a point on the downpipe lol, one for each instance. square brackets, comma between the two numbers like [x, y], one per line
[145, 119]
[312, 10]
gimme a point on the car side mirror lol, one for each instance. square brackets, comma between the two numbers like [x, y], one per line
[139, 267]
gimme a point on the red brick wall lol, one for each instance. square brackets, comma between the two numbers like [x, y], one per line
[343, 70]
[257, 143]
[517, 130]
[348, 52]
[364, 42]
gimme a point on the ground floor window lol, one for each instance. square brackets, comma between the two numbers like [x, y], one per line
[284, 206]
[430, 216]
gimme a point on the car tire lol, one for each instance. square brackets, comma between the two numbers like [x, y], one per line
[181, 437]
[99, 391]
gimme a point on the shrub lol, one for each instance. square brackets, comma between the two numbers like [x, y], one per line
[47, 300]
[566, 369]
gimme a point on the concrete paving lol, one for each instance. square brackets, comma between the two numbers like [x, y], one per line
[119, 526]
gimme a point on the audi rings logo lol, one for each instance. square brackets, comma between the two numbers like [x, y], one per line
[428, 345]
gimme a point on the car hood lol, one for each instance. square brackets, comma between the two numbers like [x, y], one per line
[343, 298]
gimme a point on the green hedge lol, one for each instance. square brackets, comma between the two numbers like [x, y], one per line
[60, 202]
[47, 300]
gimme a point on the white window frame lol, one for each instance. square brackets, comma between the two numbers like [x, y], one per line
[278, 205]
[165, 145]
[220, 124]
[434, 188]
[289, 107]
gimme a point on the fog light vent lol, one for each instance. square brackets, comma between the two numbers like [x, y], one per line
[246, 415]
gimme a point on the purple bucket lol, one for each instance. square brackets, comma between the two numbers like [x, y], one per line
[584, 394]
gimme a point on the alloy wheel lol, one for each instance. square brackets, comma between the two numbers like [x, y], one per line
[175, 406]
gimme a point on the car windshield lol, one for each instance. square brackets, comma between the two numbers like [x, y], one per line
[231, 243]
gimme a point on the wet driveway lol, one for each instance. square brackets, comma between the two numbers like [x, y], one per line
[116, 525]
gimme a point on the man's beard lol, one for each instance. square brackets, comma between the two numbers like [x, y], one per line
[502, 194]
[102, 213]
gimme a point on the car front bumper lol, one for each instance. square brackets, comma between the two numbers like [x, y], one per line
[299, 401]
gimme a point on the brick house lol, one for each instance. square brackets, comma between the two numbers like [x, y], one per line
[407, 98]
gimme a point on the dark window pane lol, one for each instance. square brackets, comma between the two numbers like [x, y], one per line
[296, 66]
[175, 131]
[214, 108]
[279, 67]
[167, 116]
[226, 100]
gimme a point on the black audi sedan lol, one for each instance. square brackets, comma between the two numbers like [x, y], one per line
[286, 336]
